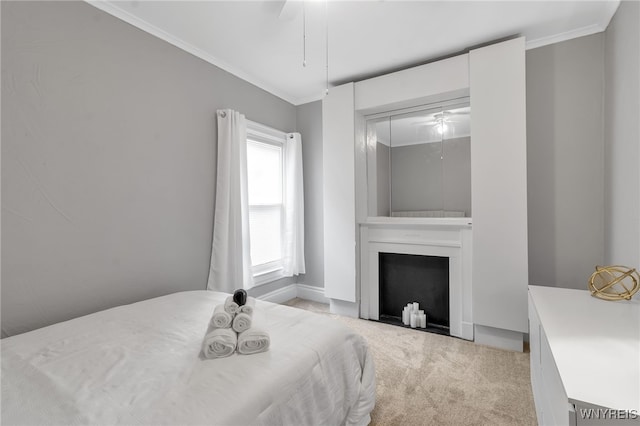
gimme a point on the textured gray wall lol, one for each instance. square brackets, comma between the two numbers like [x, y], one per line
[622, 136]
[421, 181]
[309, 118]
[108, 162]
[565, 161]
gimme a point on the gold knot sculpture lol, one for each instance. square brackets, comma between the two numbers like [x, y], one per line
[614, 282]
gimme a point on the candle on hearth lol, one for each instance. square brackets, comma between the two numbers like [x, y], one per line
[414, 320]
[423, 321]
[405, 316]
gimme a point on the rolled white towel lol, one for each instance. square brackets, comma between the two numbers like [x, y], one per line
[221, 318]
[242, 322]
[230, 306]
[219, 343]
[249, 306]
[253, 341]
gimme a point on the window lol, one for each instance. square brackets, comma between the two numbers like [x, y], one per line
[265, 170]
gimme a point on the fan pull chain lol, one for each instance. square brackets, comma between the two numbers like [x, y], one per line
[304, 35]
[326, 13]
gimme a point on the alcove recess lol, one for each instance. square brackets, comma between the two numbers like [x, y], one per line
[490, 302]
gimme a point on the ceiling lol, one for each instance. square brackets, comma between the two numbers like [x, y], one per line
[262, 41]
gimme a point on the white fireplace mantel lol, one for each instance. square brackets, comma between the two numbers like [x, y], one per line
[444, 237]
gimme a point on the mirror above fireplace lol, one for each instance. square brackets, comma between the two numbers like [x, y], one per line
[419, 161]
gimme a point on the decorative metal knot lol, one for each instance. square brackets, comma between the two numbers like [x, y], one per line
[614, 282]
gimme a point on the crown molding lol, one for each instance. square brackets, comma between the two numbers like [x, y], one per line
[610, 7]
[567, 35]
[309, 99]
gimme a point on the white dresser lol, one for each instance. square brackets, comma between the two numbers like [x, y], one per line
[585, 358]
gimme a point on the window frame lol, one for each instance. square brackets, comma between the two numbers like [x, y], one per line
[259, 133]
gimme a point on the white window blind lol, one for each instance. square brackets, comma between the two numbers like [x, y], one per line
[265, 170]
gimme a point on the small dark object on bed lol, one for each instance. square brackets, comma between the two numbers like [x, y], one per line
[240, 297]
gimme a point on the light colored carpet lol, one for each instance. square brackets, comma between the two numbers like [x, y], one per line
[428, 379]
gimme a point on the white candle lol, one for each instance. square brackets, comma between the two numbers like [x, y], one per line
[414, 320]
[423, 321]
[416, 306]
[405, 316]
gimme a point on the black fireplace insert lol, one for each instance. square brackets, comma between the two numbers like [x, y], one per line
[405, 278]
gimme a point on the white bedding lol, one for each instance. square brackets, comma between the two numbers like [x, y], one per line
[139, 364]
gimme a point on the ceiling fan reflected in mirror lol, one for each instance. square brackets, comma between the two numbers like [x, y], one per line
[440, 122]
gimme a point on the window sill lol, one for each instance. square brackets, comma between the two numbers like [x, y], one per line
[268, 276]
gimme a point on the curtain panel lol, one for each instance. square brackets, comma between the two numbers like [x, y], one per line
[293, 259]
[231, 252]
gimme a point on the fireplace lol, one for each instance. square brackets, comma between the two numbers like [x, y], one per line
[406, 278]
[417, 244]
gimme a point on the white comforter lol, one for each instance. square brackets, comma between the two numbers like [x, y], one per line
[139, 364]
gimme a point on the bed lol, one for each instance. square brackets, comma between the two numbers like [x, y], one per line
[139, 364]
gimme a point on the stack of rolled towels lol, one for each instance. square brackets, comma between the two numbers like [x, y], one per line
[232, 329]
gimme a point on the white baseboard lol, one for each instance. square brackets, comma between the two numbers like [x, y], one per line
[315, 294]
[499, 338]
[280, 295]
[291, 291]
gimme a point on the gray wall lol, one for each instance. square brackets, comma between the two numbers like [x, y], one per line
[420, 180]
[622, 137]
[108, 162]
[565, 152]
[309, 118]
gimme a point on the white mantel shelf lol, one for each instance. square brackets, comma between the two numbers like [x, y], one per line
[458, 222]
[595, 345]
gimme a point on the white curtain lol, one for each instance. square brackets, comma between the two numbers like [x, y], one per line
[231, 254]
[293, 206]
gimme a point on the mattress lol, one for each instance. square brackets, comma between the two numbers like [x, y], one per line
[139, 364]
